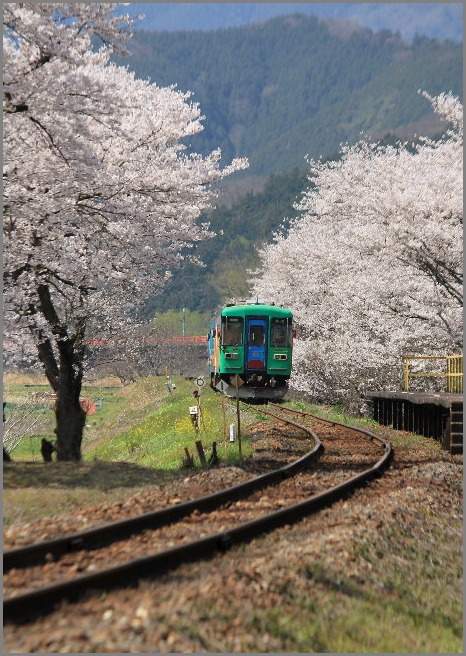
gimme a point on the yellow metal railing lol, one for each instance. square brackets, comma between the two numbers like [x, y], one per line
[453, 372]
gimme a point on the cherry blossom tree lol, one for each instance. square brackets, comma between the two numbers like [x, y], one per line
[100, 193]
[372, 266]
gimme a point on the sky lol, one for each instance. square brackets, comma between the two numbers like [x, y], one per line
[440, 20]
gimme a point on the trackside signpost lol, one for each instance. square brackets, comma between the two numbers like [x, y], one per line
[195, 411]
[238, 381]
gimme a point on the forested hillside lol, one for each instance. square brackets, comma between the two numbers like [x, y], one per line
[294, 86]
[277, 92]
[239, 228]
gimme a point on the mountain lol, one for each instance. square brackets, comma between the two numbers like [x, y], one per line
[438, 20]
[239, 229]
[290, 87]
[275, 92]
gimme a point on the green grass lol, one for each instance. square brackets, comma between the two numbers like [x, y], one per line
[17, 390]
[136, 439]
[29, 448]
[141, 423]
[394, 610]
[159, 439]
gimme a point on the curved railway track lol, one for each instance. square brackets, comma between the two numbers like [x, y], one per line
[149, 545]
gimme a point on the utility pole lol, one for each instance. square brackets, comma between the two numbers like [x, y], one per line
[184, 322]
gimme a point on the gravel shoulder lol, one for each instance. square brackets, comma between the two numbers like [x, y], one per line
[378, 572]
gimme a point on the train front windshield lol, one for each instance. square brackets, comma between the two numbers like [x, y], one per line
[280, 332]
[232, 331]
[256, 335]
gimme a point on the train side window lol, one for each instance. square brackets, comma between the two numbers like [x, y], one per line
[232, 332]
[280, 333]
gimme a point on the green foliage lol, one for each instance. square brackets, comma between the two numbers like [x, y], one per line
[276, 92]
[291, 86]
[174, 323]
[229, 255]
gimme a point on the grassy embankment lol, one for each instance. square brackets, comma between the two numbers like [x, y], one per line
[136, 437]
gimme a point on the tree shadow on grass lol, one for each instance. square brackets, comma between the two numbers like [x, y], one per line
[99, 475]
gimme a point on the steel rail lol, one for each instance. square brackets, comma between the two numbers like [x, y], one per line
[100, 536]
[333, 422]
[42, 600]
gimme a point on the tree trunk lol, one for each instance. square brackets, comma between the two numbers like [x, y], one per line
[63, 367]
[70, 417]
[65, 377]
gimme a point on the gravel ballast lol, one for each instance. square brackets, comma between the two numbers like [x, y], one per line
[379, 571]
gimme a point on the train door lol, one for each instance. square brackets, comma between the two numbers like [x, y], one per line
[256, 347]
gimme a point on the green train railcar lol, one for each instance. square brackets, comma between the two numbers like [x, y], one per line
[250, 348]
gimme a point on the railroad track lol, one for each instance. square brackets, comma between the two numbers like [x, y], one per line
[149, 545]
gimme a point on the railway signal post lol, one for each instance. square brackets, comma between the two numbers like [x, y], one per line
[238, 382]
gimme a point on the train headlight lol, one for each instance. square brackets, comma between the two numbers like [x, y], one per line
[280, 356]
[231, 356]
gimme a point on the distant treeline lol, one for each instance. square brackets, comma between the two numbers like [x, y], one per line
[293, 86]
[229, 255]
[277, 92]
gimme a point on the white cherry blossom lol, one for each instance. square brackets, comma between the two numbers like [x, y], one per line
[100, 192]
[372, 266]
